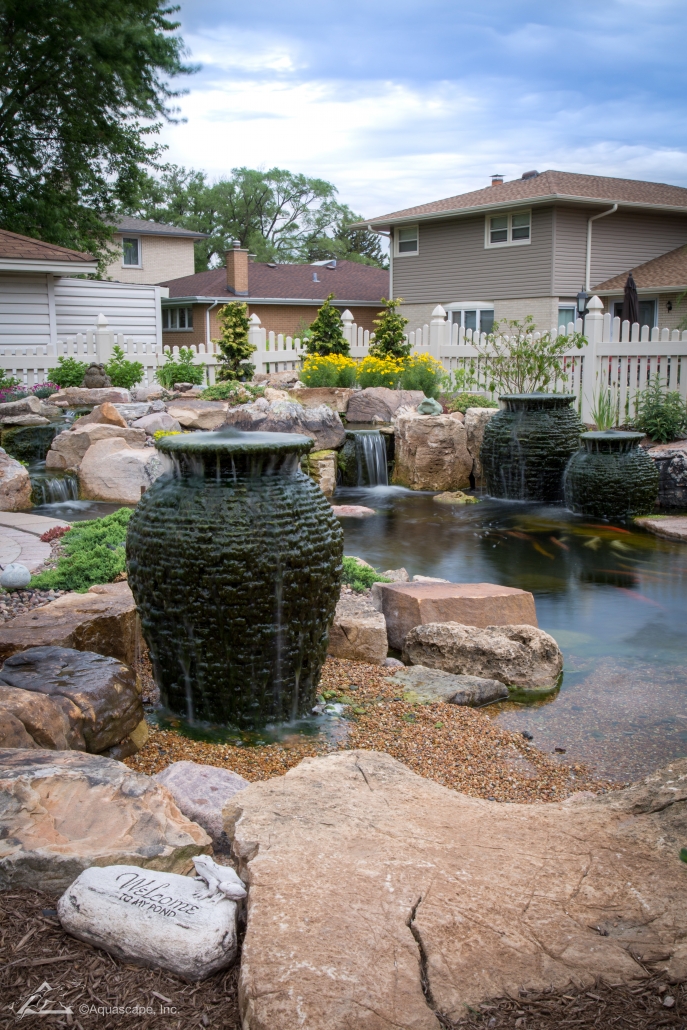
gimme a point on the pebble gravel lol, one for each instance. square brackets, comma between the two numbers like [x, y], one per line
[17, 602]
[462, 748]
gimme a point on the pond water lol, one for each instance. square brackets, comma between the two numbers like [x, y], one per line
[615, 599]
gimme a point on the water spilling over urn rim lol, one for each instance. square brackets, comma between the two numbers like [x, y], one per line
[234, 441]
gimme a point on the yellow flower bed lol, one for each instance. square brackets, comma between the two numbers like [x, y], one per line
[333, 370]
[382, 371]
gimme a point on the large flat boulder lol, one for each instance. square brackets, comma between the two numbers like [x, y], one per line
[81, 396]
[196, 414]
[335, 397]
[156, 421]
[405, 605]
[30, 720]
[431, 685]
[475, 420]
[379, 404]
[426, 901]
[68, 449]
[103, 620]
[64, 811]
[671, 462]
[673, 527]
[15, 485]
[358, 632]
[321, 424]
[24, 406]
[113, 470]
[201, 792]
[523, 657]
[431, 452]
[104, 692]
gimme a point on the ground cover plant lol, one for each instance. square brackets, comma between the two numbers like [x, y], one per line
[92, 552]
[462, 401]
[360, 577]
[662, 416]
[233, 391]
[11, 390]
[123, 373]
[180, 369]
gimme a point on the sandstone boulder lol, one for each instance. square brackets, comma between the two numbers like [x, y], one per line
[437, 685]
[130, 412]
[426, 900]
[24, 406]
[8, 421]
[671, 461]
[52, 723]
[379, 404]
[68, 449]
[112, 470]
[405, 605]
[673, 527]
[430, 452]
[63, 811]
[201, 792]
[147, 393]
[104, 414]
[156, 421]
[475, 421]
[105, 692]
[322, 424]
[335, 397]
[15, 485]
[352, 511]
[103, 620]
[196, 414]
[80, 396]
[522, 657]
[279, 379]
[152, 919]
[358, 632]
[321, 467]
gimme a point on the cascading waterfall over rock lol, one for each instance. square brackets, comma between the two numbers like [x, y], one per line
[370, 452]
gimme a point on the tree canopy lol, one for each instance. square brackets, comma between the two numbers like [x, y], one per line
[278, 215]
[84, 84]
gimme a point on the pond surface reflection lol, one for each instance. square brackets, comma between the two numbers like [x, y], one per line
[612, 596]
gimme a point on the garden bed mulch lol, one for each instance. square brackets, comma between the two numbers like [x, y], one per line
[462, 748]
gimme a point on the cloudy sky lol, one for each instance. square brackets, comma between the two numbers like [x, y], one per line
[399, 102]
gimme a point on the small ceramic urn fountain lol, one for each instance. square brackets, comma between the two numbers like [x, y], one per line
[611, 477]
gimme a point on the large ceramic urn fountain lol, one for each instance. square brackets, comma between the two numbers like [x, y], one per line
[527, 445]
[235, 561]
[611, 476]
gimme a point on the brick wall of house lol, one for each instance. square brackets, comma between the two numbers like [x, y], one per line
[162, 258]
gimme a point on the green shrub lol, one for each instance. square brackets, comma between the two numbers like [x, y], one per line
[360, 577]
[231, 390]
[233, 342]
[181, 370]
[462, 401]
[662, 416]
[123, 373]
[69, 372]
[94, 553]
[326, 332]
[390, 339]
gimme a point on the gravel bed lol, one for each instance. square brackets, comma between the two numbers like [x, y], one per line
[462, 748]
[17, 602]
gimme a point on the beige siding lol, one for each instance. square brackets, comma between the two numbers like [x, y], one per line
[162, 258]
[129, 309]
[24, 309]
[454, 265]
[544, 311]
[619, 242]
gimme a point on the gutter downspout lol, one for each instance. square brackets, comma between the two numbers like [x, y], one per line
[588, 262]
[389, 236]
[208, 342]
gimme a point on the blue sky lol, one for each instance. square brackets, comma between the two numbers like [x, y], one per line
[403, 102]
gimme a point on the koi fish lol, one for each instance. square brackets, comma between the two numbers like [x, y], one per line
[541, 550]
[518, 534]
[594, 544]
[618, 545]
[611, 529]
[640, 597]
[559, 543]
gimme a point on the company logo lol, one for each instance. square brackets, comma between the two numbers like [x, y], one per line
[40, 1004]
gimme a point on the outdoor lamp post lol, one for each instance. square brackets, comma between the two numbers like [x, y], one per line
[582, 298]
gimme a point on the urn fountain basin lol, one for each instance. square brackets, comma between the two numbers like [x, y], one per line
[611, 477]
[235, 561]
[527, 445]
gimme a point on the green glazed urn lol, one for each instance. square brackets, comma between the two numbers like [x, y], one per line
[611, 477]
[234, 561]
[527, 445]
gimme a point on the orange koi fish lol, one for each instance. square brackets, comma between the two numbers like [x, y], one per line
[554, 540]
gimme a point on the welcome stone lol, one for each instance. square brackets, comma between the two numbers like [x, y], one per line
[152, 918]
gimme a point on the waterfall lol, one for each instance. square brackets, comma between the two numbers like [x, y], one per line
[370, 452]
[49, 488]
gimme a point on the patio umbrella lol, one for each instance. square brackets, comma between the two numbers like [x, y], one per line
[630, 301]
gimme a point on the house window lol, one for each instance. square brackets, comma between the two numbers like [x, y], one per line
[177, 318]
[474, 318]
[647, 312]
[131, 251]
[566, 313]
[508, 230]
[407, 241]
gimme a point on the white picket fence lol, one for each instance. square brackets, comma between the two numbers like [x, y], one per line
[617, 355]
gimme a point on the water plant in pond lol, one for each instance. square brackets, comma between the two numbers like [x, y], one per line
[610, 477]
[93, 553]
[604, 408]
[235, 564]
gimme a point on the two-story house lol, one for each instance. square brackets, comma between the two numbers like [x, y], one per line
[529, 246]
[151, 252]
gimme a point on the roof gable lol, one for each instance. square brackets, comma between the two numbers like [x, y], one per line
[26, 248]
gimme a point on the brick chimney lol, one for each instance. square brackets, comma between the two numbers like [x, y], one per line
[497, 180]
[237, 270]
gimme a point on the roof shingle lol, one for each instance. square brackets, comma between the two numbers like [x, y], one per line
[555, 185]
[145, 227]
[349, 281]
[12, 245]
[668, 270]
